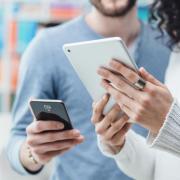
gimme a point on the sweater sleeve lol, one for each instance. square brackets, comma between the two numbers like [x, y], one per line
[168, 138]
[135, 158]
[33, 82]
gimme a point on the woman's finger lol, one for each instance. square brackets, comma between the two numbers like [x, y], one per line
[115, 127]
[128, 73]
[129, 113]
[119, 97]
[119, 83]
[98, 109]
[118, 136]
[110, 117]
[132, 76]
[150, 78]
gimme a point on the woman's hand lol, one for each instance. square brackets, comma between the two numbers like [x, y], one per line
[148, 107]
[111, 127]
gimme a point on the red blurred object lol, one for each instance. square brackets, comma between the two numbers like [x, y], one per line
[13, 35]
[65, 13]
[14, 71]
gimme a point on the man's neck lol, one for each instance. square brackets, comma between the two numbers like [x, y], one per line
[127, 27]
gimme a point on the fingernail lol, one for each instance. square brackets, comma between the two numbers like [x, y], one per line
[105, 97]
[76, 132]
[93, 104]
[81, 137]
[142, 69]
[111, 63]
[99, 70]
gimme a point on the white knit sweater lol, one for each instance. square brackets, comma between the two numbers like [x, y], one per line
[168, 138]
[139, 161]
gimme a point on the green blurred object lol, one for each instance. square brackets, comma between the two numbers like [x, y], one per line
[12, 100]
[1, 103]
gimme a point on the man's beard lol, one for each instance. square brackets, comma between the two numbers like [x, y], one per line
[115, 13]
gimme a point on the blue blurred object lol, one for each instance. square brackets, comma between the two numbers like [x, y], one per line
[143, 13]
[26, 32]
[1, 29]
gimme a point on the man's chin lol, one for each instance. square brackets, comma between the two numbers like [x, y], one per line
[113, 10]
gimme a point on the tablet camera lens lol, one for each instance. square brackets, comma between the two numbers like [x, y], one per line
[69, 50]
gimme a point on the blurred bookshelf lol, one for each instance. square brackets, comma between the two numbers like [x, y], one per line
[20, 20]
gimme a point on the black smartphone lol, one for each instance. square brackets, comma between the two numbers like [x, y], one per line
[54, 110]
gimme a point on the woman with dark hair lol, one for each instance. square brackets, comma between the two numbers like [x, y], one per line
[150, 104]
[166, 14]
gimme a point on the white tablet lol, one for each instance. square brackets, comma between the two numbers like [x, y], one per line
[86, 57]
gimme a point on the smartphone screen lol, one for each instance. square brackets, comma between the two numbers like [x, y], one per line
[51, 111]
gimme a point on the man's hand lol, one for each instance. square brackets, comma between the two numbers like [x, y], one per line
[112, 128]
[46, 139]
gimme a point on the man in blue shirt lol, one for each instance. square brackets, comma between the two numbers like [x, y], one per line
[45, 73]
